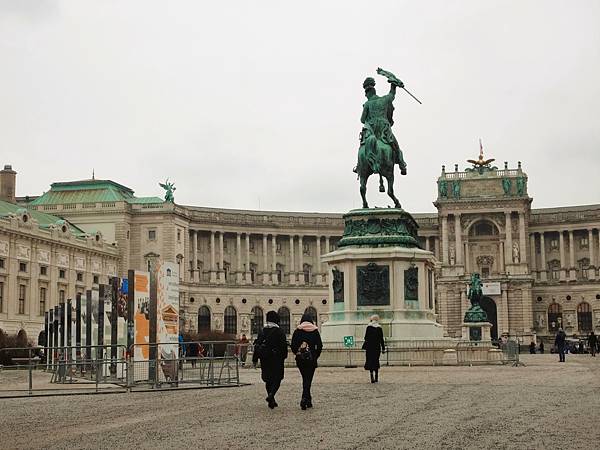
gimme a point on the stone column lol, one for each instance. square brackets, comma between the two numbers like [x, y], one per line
[501, 257]
[464, 304]
[300, 260]
[522, 239]
[508, 245]
[238, 257]
[248, 276]
[195, 273]
[318, 264]
[445, 239]
[543, 267]
[265, 262]
[504, 312]
[563, 263]
[591, 270]
[221, 258]
[213, 264]
[572, 270]
[274, 261]
[458, 240]
[427, 243]
[292, 270]
[532, 259]
[466, 257]
[327, 249]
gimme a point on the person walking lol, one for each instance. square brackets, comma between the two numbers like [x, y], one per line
[560, 342]
[307, 346]
[541, 347]
[270, 348]
[193, 352]
[374, 346]
[532, 348]
[592, 342]
[243, 349]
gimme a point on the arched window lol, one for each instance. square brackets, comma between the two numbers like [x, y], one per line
[203, 318]
[230, 320]
[554, 317]
[584, 317]
[312, 312]
[284, 319]
[256, 320]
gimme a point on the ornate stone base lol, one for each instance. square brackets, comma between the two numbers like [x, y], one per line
[379, 269]
[477, 331]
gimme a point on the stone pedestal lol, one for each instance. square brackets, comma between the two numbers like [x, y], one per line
[477, 331]
[380, 269]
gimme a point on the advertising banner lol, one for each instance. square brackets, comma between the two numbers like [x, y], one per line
[78, 344]
[94, 314]
[120, 312]
[141, 314]
[167, 310]
[50, 352]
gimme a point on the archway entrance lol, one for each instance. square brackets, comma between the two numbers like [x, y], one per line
[489, 306]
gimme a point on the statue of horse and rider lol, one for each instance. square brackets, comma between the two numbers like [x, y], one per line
[379, 151]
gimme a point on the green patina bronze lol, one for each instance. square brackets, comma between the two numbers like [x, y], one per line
[411, 284]
[379, 227]
[169, 189]
[506, 185]
[373, 285]
[379, 151]
[443, 188]
[456, 189]
[338, 285]
[475, 313]
[521, 186]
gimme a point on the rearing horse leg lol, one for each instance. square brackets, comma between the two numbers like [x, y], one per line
[363, 189]
[381, 188]
[390, 183]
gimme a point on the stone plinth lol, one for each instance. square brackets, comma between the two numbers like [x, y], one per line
[379, 269]
[477, 331]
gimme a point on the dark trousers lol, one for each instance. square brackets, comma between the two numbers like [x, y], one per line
[307, 376]
[561, 354]
[272, 386]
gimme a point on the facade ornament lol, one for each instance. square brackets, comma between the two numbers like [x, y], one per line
[485, 260]
[169, 190]
[456, 189]
[506, 185]
[443, 188]
[452, 255]
[516, 253]
[520, 186]
[481, 165]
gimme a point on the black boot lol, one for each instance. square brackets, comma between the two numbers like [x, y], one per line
[303, 405]
[372, 378]
[271, 401]
[377, 376]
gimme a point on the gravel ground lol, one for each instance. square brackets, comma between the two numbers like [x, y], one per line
[542, 405]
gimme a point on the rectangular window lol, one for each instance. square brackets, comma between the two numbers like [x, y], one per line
[22, 267]
[43, 270]
[61, 273]
[79, 276]
[1, 296]
[22, 292]
[42, 301]
[554, 244]
[61, 296]
[555, 274]
[96, 279]
[1, 263]
[485, 272]
[583, 242]
[151, 235]
[178, 235]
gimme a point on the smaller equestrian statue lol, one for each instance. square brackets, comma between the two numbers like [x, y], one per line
[379, 151]
[475, 313]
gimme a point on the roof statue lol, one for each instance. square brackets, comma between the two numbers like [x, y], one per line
[481, 164]
[379, 151]
[169, 189]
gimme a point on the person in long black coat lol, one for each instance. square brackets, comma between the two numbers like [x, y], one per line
[272, 342]
[306, 332]
[374, 346]
[560, 343]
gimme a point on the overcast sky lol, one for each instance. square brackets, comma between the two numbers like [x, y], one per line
[257, 103]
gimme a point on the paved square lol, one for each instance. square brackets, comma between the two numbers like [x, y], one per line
[542, 405]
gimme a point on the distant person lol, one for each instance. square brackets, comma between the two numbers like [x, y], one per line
[541, 347]
[560, 343]
[581, 347]
[532, 348]
[243, 346]
[592, 342]
[307, 346]
[270, 348]
[374, 346]
[193, 351]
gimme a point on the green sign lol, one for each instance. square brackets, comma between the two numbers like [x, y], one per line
[348, 341]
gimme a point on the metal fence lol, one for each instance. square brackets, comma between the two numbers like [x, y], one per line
[114, 368]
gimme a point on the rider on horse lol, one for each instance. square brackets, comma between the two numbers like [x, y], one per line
[377, 119]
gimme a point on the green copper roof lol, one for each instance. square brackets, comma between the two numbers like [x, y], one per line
[85, 191]
[44, 220]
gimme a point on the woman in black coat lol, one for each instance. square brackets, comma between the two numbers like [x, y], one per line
[307, 346]
[271, 348]
[374, 346]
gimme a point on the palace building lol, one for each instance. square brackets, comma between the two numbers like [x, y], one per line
[539, 266]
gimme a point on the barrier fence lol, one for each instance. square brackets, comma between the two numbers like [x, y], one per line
[114, 368]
